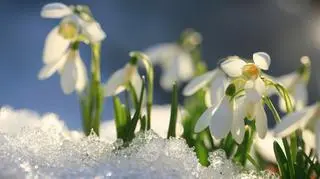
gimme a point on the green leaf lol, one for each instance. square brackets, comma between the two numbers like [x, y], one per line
[174, 111]
[137, 113]
[150, 76]
[201, 150]
[120, 118]
[300, 165]
[282, 161]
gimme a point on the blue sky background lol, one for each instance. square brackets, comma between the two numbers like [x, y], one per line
[285, 29]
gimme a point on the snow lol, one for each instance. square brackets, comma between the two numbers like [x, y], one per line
[34, 146]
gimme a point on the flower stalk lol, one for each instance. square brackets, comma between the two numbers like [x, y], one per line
[93, 108]
[150, 80]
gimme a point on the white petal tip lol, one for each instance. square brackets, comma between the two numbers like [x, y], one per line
[262, 60]
[55, 10]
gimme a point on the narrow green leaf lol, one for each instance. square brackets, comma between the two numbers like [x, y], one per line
[133, 95]
[300, 169]
[120, 118]
[201, 150]
[143, 123]
[150, 76]
[137, 113]
[174, 111]
[282, 161]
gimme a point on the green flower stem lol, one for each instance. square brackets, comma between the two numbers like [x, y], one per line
[92, 105]
[174, 111]
[284, 140]
[133, 94]
[201, 150]
[150, 76]
[253, 162]
[293, 137]
[244, 148]
[96, 86]
[200, 67]
[120, 118]
[137, 114]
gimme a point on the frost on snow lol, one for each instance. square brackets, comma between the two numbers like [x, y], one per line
[34, 146]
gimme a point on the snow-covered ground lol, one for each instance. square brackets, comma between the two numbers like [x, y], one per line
[34, 146]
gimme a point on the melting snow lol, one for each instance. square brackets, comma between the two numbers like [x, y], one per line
[34, 146]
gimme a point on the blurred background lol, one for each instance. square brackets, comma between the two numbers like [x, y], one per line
[286, 29]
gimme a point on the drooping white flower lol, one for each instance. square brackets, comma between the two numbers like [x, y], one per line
[254, 86]
[86, 25]
[306, 118]
[175, 61]
[229, 114]
[61, 46]
[69, 64]
[218, 83]
[118, 80]
[160, 118]
[296, 83]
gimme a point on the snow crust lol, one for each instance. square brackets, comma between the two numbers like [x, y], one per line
[34, 146]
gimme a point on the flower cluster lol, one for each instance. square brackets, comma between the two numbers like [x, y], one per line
[224, 108]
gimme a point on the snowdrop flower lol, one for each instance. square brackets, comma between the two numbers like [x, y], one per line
[72, 70]
[229, 114]
[82, 21]
[61, 46]
[307, 118]
[175, 59]
[122, 77]
[296, 83]
[218, 83]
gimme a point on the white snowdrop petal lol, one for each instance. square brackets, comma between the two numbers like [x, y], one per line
[221, 120]
[300, 95]
[69, 76]
[261, 120]
[93, 31]
[82, 77]
[185, 69]
[55, 10]
[163, 52]
[203, 121]
[168, 77]
[288, 80]
[262, 60]
[293, 121]
[309, 139]
[198, 82]
[252, 95]
[238, 126]
[260, 86]
[115, 81]
[49, 69]
[55, 46]
[207, 98]
[232, 66]
[217, 88]
[238, 130]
